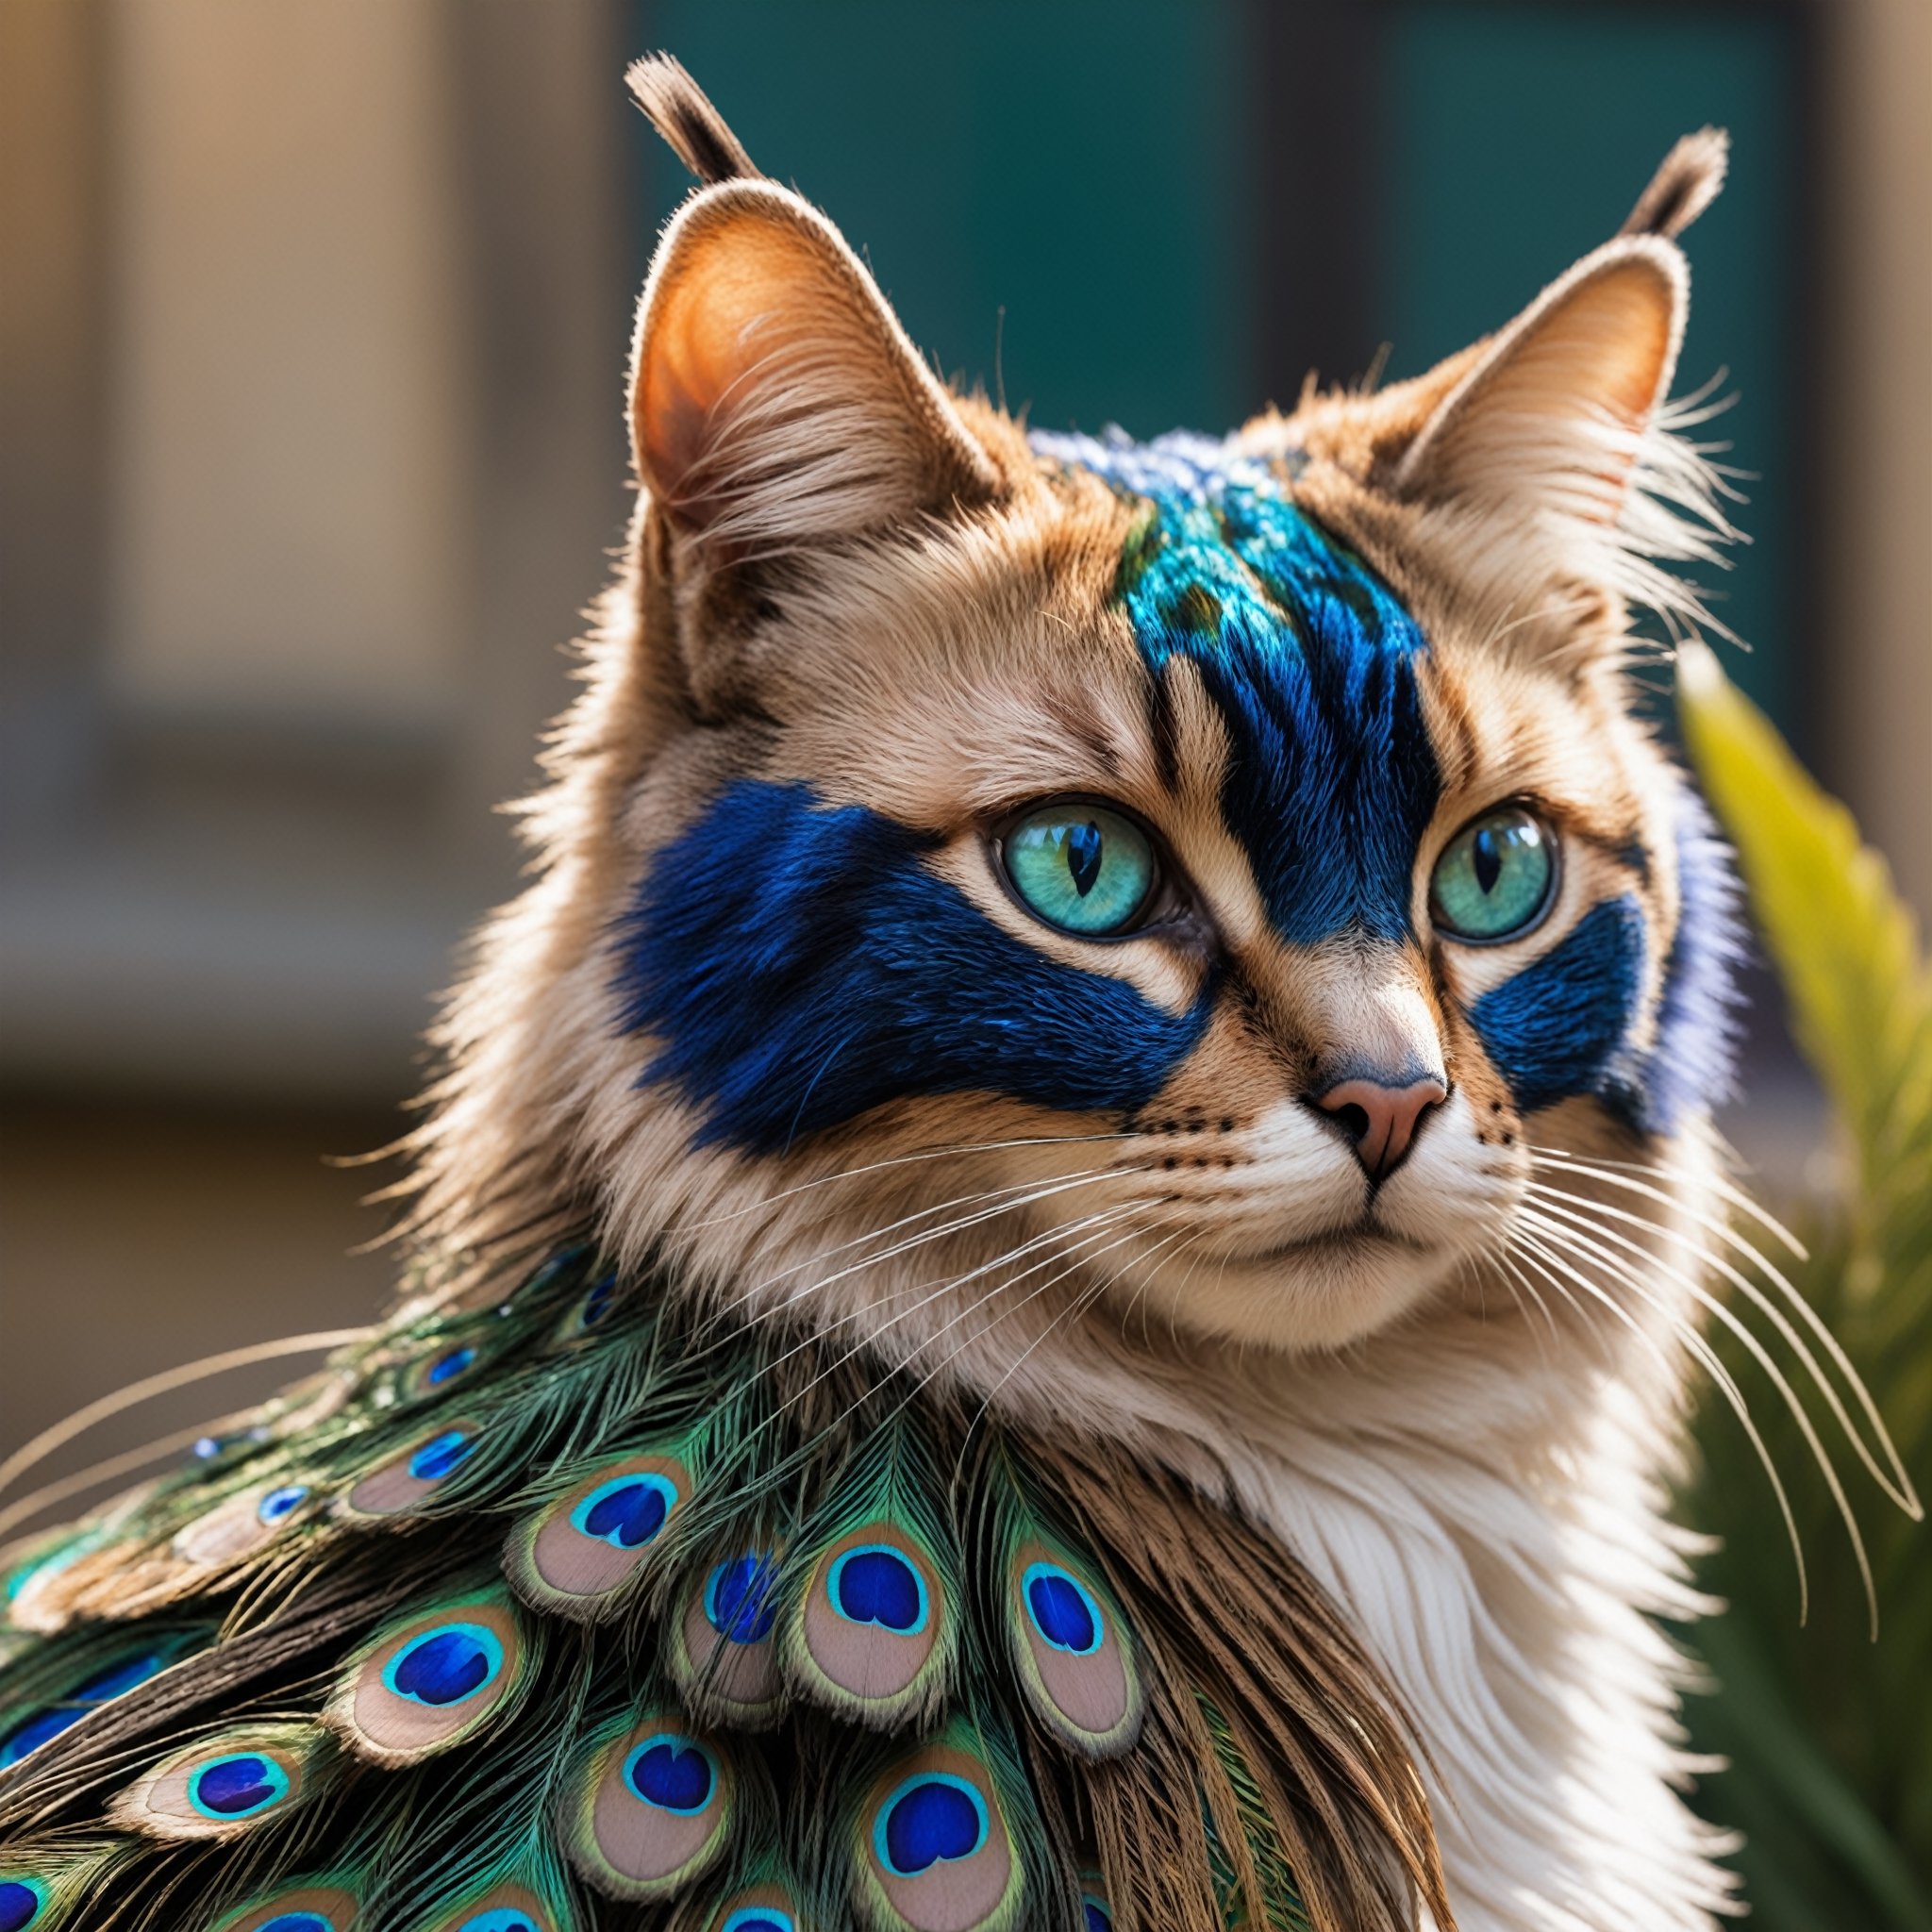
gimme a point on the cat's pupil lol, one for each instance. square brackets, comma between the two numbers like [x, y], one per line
[1083, 856]
[1487, 853]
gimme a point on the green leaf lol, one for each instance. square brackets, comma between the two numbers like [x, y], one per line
[1830, 1734]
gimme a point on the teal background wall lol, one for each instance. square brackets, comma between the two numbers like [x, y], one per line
[1073, 162]
[1518, 136]
[1101, 207]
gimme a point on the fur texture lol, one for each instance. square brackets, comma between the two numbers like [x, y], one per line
[774, 1021]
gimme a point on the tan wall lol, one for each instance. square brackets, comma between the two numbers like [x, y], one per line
[1877, 660]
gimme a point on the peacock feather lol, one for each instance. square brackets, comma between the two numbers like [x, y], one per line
[626, 1609]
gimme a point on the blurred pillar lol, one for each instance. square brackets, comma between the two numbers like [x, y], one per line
[1877, 658]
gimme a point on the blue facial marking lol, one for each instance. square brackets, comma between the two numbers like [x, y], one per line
[799, 965]
[1691, 1065]
[1557, 1028]
[1310, 658]
[929, 1818]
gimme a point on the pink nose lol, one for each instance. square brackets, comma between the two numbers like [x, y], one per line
[1381, 1121]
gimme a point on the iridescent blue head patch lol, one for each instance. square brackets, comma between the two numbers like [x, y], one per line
[1310, 658]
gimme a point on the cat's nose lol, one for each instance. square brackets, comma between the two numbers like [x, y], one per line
[1381, 1121]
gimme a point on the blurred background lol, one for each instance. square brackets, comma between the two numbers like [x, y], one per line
[312, 322]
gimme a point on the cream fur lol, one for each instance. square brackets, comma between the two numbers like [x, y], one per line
[1471, 1464]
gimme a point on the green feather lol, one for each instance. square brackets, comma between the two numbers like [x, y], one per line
[44, 1886]
[873, 1593]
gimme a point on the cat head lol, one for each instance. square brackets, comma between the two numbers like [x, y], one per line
[991, 872]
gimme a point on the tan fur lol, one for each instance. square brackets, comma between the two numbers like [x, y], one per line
[840, 574]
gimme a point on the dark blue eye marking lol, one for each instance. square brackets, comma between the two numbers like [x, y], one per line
[1557, 1028]
[446, 1666]
[1310, 658]
[801, 965]
[282, 1502]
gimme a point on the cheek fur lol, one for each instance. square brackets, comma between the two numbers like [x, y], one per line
[799, 966]
[1557, 1028]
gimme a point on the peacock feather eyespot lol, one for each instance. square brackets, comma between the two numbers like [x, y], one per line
[443, 1368]
[1073, 1651]
[281, 1502]
[672, 1772]
[626, 1513]
[1095, 1915]
[932, 1817]
[441, 1456]
[430, 1682]
[303, 1907]
[759, 1919]
[878, 1584]
[936, 1854]
[237, 1785]
[22, 1901]
[100, 1687]
[738, 1598]
[448, 1665]
[1062, 1609]
[577, 1554]
[651, 1809]
[503, 1919]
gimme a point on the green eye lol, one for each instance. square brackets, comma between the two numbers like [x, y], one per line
[1493, 882]
[1079, 866]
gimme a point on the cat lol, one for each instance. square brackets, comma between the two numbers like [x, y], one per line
[1187, 955]
[1278, 1152]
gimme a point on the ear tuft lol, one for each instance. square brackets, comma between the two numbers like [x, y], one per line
[1554, 457]
[1686, 183]
[679, 109]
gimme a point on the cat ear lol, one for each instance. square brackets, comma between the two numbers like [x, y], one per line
[1554, 411]
[775, 401]
[1554, 433]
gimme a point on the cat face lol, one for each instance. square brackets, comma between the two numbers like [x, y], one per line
[1176, 879]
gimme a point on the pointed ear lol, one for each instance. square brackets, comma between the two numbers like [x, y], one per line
[1547, 454]
[775, 401]
[1551, 416]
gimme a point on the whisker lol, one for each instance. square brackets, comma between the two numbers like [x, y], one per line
[1608, 1169]
[1567, 1231]
[958, 1150]
[1900, 1490]
[1701, 1351]
[1012, 1203]
[64, 1431]
[29, 1506]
